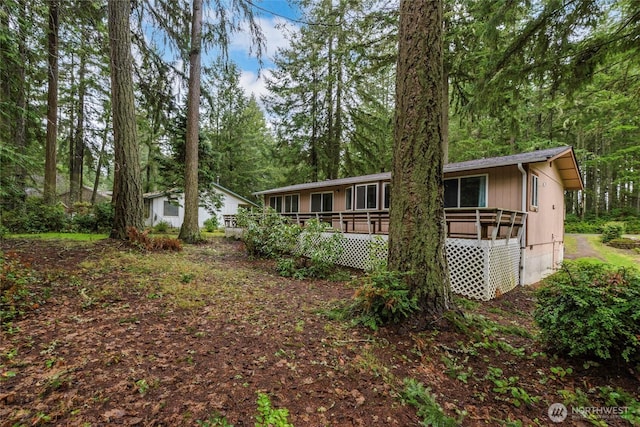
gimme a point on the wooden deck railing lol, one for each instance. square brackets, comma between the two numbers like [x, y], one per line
[465, 223]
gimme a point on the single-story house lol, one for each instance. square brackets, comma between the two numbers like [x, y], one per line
[168, 206]
[508, 212]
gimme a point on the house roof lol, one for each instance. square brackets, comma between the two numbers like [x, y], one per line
[156, 194]
[563, 156]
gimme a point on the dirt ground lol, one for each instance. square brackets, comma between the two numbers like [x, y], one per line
[583, 249]
[112, 336]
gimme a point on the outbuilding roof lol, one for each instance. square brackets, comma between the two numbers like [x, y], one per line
[218, 187]
[563, 156]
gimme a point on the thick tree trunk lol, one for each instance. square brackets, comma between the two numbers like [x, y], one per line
[416, 231]
[127, 188]
[190, 230]
[52, 107]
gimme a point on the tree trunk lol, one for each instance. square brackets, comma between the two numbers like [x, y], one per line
[77, 161]
[96, 182]
[190, 230]
[127, 187]
[416, 230]
[52, 107]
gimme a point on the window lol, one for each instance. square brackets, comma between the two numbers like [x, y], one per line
[321, 202]
[170, 209]
[348, 198]
[275, 202]
[466, 192]
[367, 196]
[534, 190]
[291, 203]
[387, 195]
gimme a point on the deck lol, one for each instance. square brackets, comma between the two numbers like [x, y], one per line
[461, 223]
[483, 245]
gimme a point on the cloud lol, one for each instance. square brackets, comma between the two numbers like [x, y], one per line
[274, 30]
[252, 84]
[252, 78]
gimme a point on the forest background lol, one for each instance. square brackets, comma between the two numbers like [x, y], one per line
[521, 76]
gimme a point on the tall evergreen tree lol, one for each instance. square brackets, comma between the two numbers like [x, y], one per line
[416, 229]
[190, 229]
[127, 187]
[50, 168]
[328, 94]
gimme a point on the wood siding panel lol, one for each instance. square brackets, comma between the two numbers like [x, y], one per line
[546, 223]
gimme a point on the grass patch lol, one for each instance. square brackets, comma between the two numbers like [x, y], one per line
[570, 244]
[616, 257]
[82, 237]
[189, 284]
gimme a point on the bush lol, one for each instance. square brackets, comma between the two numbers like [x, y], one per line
[322, 250]
[161, 227]
[34, 216]
[590, 309]
[267, 235]
[211, 224]
[632, 226]
[612, 230]
[383, 297]
[104, 216]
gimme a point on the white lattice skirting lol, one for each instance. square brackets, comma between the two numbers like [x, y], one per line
[478, 269]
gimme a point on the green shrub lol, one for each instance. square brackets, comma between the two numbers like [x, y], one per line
[267, 234]
[161, 227]
[268, 416]
[84, 223]
[383, 297]
[34, 216]
[584, 227]
[428, 409]
[288, 267]
[590, 309]
[632, 226]
[322, 247]
[211, 224]
[104, 216]
[612, 230]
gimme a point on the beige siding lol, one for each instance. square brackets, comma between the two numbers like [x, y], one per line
[545, 225]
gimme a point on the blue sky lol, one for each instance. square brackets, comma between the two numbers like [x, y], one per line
[270, 14]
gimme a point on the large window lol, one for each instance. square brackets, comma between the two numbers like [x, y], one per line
[367, 196]
[275, 202]
[348, 198]
[321, 202]
[291, 203]
[466, 192]
[170, 209]
[534, 191]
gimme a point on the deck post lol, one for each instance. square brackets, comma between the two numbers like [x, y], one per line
[496, 229]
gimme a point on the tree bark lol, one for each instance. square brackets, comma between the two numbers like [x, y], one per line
[127, 187]
[52, 107]
[77, 160]
[416, 231]
[190, 230]
[96, 182]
